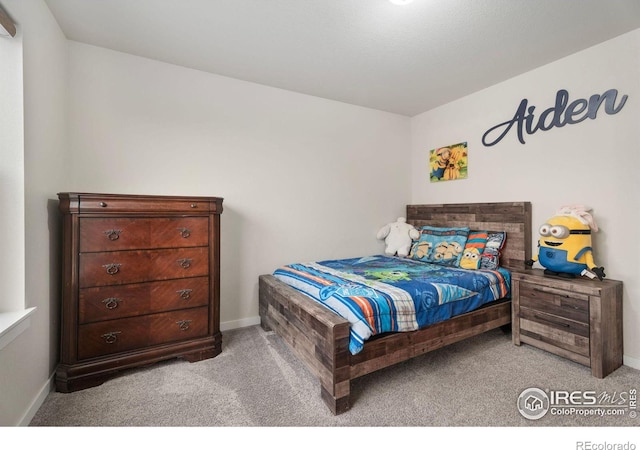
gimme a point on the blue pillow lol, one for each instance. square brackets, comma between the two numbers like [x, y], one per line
[440, 245]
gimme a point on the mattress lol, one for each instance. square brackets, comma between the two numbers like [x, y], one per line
[379, 294]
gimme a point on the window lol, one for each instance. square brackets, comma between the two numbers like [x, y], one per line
[12, 222]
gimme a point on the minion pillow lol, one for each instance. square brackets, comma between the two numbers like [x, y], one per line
[439, 245]
[473, 249]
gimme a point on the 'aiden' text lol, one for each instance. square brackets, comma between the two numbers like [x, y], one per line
[559, 115]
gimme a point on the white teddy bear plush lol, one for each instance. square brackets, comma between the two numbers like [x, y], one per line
[398, 237]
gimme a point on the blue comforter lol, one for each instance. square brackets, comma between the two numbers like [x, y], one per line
[379, 294]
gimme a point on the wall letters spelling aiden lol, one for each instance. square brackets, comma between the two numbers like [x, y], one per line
[558, 115]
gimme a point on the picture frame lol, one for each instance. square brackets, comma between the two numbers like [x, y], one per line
[448, 163]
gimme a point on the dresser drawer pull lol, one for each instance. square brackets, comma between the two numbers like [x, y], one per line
[185, 263]
[194, 205]
[111, 302]
[112, 269]
[113, 235]
[183, 324]
[185, 294]
[111, 337]
[102, 205]
[184, 232]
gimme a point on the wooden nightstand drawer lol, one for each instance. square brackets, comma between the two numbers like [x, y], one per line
[555, 330]
[570, 305]
[555, 322]
[113, 234]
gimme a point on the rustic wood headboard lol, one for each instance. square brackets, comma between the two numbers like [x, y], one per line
[512, 217]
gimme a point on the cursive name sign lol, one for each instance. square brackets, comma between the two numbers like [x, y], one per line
[561, 114]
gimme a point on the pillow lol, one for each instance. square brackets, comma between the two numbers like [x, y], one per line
[490, 258]
[440, 245]
[473, 249]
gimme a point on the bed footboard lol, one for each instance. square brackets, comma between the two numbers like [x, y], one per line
[318, 337]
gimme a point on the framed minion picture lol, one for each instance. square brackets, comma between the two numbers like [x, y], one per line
[448, 163]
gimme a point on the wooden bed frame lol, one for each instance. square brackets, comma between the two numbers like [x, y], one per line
[320, 338]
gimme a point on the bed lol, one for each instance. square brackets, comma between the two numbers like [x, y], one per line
[324, 340]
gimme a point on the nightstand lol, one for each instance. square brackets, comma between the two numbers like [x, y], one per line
[578, 319]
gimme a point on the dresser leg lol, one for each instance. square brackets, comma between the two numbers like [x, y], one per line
[201, 355]
[67, 381]
[212, 350]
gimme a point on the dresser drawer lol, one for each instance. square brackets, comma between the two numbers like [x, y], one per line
[106, 204]
[179, 325]
[114, 268]
[114, 302]
[113, 336]
[113, 234]
[567, 304]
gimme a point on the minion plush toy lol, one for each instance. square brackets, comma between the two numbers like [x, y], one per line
[564, 248]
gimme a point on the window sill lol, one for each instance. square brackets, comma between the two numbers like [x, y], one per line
[12, 324]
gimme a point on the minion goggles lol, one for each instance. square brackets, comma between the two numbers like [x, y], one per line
[559, 231]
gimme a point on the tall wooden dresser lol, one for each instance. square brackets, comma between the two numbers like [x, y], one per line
[141, 283]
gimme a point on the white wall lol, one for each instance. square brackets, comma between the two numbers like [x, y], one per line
[303, 178]
[594, 162]
[27, 363]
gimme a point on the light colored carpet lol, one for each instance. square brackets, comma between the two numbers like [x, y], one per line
[257, 382]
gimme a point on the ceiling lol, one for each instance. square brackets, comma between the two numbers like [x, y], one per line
[402, 59]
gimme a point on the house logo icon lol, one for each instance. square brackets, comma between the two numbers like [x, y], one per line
[533, 403]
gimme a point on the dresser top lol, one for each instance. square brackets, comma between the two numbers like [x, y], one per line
[81, 202]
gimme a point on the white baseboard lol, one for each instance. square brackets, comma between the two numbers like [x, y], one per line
[233, 324]
[48, 387]
[634, 363]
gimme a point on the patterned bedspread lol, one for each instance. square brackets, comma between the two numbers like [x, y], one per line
[379, 294]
